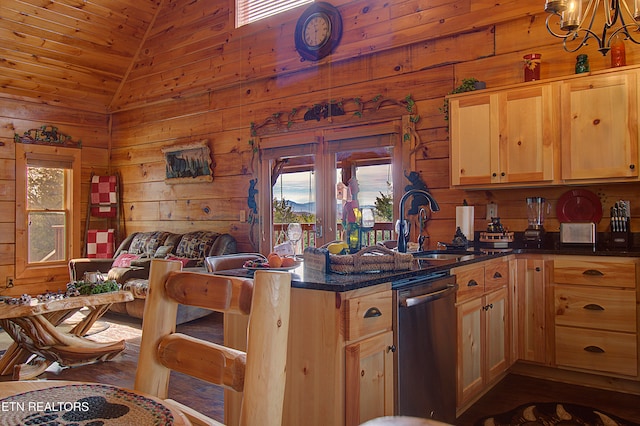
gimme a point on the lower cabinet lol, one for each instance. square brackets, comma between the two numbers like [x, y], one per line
[482, 343]
[530, 310]
[339, 357]
[596, 318]
[369, 379]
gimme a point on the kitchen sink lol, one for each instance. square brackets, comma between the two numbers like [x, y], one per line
[439, 256]
[442, 255]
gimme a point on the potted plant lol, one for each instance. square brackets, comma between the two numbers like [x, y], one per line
[468, 84]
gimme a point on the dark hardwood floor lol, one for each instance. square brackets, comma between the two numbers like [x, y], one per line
[515, 390]
[512, 391]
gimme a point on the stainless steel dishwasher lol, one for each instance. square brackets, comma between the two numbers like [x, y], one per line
[425, 341]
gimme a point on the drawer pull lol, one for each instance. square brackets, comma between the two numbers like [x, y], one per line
[593, 273]
[593, 307]
[472, 283]
[594, 349]
[391, 348]
[372, 313]
[497, 275]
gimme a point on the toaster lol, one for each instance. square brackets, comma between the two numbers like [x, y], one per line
[578, 233]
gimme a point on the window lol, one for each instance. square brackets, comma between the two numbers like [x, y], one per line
[338, 185]
[248, 11]
[47, 196]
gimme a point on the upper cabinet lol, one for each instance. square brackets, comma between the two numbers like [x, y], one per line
[503, 137]
[577, 129]
[600, 127]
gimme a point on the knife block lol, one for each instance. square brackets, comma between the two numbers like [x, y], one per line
[620, 240]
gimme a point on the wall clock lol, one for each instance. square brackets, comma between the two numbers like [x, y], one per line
[318, 31]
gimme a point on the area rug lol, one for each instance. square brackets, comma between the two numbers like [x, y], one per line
[553, 413]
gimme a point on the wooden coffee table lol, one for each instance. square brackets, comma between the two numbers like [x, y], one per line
[34, 331]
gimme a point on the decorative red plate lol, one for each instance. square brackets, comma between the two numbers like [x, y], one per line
[579, 205]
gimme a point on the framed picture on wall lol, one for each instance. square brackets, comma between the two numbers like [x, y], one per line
[188, 163]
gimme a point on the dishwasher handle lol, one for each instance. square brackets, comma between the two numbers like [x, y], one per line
[429, 297]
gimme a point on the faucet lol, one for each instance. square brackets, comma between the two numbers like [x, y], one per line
[433, 205]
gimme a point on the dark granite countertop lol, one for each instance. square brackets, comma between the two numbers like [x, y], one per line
[314, 280]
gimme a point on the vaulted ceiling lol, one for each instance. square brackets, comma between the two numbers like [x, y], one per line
[71, 52]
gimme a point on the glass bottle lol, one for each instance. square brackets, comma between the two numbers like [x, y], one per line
[582, 64]
[618, 55]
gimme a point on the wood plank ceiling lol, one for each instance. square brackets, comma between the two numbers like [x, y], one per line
[74, 53]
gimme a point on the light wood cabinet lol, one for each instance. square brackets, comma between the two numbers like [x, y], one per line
[368, 361]
[369, 379]
[504, 137]
[576, 129]
[599, 122]
[339, 358]
[483, 328]
[596, 319]
[530, 310]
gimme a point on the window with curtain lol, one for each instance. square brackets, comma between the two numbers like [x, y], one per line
[47, 191]
[248, 11]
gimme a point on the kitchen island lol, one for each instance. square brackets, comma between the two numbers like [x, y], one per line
[340, 366]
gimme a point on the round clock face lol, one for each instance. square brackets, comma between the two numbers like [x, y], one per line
[318, 31]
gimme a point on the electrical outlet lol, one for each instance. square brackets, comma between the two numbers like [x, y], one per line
[492, 211]
[9, 282]
[243, 216]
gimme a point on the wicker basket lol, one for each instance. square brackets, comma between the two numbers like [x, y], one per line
[370, 259]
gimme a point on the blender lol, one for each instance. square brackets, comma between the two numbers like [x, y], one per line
[537, 208]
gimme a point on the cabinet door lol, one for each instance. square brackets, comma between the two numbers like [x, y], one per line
[470, 347]
[531, 310]
[599, 127]
[497, 336]
[526, 135]
[473, 128]
[369, 379]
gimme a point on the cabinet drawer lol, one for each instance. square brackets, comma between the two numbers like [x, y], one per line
[595, 271]
[496, 276]
[604, 351]
[368, 314]
[600, 308]
[470, 283]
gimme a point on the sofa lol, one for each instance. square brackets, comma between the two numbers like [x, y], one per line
[131, 264]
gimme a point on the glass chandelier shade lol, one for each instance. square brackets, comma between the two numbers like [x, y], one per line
[579, 19]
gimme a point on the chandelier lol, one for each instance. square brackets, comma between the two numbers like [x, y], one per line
[577, 18]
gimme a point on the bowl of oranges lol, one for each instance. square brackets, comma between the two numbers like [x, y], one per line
[274, 262]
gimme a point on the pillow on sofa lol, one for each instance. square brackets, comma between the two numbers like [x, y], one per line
[124, 260]
[196, 245]
[147, 242]
[163, 251]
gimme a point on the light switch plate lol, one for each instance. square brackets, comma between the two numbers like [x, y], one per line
[492, 211]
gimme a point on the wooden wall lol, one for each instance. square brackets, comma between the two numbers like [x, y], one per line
[17, 117]
[393, 49]
[197, 78]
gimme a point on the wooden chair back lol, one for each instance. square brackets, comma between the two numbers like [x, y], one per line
[259, 372]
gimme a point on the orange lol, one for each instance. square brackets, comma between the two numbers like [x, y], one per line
[275, 261]
[288, 261]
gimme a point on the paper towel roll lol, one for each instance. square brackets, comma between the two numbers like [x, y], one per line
[464, 220]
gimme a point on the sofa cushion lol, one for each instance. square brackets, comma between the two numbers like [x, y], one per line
[196, 245]
[163, 251]
[146, 243]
